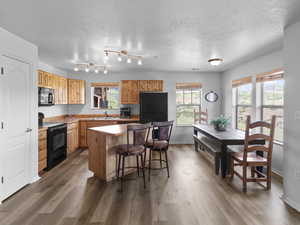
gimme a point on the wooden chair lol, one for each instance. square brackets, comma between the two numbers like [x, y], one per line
[200, 117]
[161, 134]
[249, 157]
[140, 134]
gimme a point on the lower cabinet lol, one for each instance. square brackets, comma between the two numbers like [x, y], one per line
[73, 137]
[42, 149]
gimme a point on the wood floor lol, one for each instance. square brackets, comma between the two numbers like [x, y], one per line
[70, 195]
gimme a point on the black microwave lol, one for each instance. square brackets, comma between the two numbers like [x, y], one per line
[46, 96]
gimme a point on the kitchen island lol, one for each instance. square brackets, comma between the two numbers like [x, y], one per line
[102, 158]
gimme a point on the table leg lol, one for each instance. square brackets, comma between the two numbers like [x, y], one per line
[224, 161]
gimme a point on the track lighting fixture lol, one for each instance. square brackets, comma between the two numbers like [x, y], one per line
[128, 60]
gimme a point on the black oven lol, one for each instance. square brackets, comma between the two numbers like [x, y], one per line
[46, 96]
[56, 145]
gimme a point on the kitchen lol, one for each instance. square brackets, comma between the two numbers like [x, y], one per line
[144, 112]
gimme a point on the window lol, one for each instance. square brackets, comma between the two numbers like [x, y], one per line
[272, 104]
[243, 104]
[104, 96]
[188, 99]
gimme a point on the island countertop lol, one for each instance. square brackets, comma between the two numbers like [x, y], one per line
[113, 130]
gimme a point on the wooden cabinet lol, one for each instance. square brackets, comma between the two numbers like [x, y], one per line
[60, 85]
[84, 125]
[130, 89]
[76, 91]
[45, 79]
[42, 149]
[73, 137]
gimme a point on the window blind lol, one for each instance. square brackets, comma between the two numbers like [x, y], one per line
[190, 85]
[242, 81]
[269, 76]
[105, 84]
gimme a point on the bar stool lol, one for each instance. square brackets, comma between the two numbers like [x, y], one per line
[140, 135]
[161, 134]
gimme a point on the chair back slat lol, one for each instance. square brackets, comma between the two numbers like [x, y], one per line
[254, 148]
[268, 138]
[254, 137]
[260, 124]
[200, 117]
[140, 133]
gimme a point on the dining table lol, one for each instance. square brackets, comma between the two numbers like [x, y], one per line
[228, 137]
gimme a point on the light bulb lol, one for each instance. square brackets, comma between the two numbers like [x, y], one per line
[105, 71]
[140, 62]
[96, 71]
[76, 69]
[119, 58]
[87, 69]
[129, 60]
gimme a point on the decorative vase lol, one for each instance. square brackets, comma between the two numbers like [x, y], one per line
[220, 127]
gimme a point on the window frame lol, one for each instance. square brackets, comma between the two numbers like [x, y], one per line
[237, 105]
[262, 107]
[187, 105]
[104, 86]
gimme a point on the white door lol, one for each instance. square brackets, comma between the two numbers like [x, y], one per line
[14, 125]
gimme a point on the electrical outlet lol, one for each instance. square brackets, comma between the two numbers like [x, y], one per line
[297, 115]
[297, 175]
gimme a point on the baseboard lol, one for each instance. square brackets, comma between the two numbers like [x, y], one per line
[291, 203]
[277, 176]
[35, 179]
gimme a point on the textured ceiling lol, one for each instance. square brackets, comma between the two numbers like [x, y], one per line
[183, 34]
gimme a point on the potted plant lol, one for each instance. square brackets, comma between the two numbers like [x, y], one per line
[220, 123]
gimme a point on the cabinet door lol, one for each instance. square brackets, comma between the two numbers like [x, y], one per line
[133, 93]
[82, 134]
[76, 91]
[64, 90]
[124, 91]
[40, 78]
[81, 85]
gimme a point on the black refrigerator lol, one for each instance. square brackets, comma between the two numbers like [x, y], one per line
[153, 107]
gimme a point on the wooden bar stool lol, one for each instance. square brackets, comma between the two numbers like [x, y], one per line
[137, 148]
[248, 157]
[161, 134]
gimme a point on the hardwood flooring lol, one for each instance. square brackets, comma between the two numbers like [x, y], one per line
[70, 195]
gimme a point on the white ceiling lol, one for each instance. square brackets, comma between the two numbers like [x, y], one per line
[183, 34]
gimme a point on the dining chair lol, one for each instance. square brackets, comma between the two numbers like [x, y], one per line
[161, 133]
[200, 117]
[248, 157]
[139, 135]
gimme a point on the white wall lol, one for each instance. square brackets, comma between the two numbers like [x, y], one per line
[56, 110]
[210, 81]
[16, 47]
[292, 115]
[251, 68]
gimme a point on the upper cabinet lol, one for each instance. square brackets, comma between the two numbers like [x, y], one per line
[66, 91]
[76, 91]
[60, 86]
[45, 79]
[130, 89]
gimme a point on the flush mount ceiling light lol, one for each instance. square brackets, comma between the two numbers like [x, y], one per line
[215, 61]
[123, 53]
[87, 67]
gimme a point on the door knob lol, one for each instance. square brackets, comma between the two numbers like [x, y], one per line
[28, 130]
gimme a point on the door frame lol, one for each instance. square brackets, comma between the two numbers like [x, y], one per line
[32, 165]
